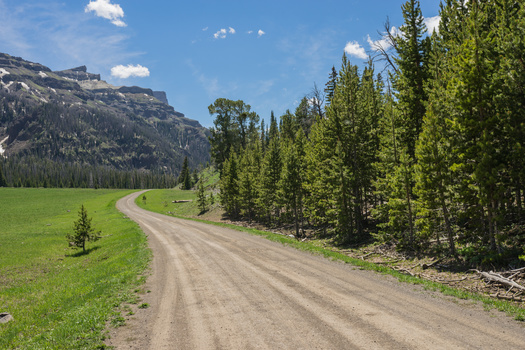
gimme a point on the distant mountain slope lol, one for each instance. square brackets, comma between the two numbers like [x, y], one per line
[72, 116]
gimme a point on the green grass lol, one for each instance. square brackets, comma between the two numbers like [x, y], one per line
[59, 297]
[185, 211]
[160, 201]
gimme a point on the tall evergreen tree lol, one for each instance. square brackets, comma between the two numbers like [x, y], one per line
[330, 86]
[436, 157]
[229, 185]
[249, 173]
[271, 167]
[292, 180]
[3, 182]
[185, 175]
[201, 196]
[477, 121]
[412, 58]
[397, 187]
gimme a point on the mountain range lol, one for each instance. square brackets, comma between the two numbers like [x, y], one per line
[74, 117]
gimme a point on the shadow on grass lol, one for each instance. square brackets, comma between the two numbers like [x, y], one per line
[82, 253]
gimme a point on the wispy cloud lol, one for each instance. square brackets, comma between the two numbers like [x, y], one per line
[214, 89]
[307, 58]
[107, 10]
[47, 33]
[204, 29]
[11, 36]
[231, 30]
[260, 33]
[354, 49]
[124, 72]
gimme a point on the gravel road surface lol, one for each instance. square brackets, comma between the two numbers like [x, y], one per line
[217, 288]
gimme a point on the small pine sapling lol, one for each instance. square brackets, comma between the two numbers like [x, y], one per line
[201, 196]
[82, 231]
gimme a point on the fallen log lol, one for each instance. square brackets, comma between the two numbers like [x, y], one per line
[404, 271]
[494, 277]
[506, 297]
[366, 255]
[182, 201]
[427, 266]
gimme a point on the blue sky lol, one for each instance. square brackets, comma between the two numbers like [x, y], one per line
[267, 53]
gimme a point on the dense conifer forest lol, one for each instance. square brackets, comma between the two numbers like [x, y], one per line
[428, 154]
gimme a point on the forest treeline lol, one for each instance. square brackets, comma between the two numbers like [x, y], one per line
[429, 155]
[33, 171]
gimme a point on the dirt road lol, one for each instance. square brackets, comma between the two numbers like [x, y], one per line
[216, 288]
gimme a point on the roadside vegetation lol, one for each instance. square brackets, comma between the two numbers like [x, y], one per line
[61, 297]
[429, 157]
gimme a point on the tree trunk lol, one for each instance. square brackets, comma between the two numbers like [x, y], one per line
[448, 227]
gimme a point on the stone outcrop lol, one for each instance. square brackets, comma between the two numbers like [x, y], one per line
[79, 74]
[5, 317]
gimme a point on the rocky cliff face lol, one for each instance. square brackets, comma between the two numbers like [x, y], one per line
[74, 116]
[161, 96]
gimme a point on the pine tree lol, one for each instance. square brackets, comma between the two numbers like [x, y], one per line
[397, 212]
[289, 125]
[436, 157]
[477, 121]
[291, 185]
[271, 165]
[3, 181]
[412, 56]
[185, 175]
[249, 172]
[342, 163]
[229, 185]
[510, 97]
[202, 203]
[330, 86]
[83, 231]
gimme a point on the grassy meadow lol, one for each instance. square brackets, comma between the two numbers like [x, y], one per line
[59, 297]
[161, 201]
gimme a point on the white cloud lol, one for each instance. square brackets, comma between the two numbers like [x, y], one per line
[204, 29]
[221, 34]
[250, 32]
[124, 72]
[383, 43]
[354, 49]
[432, 24]
[107, 10]
[260, 33]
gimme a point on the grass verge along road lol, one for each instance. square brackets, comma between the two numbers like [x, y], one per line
[60, 298]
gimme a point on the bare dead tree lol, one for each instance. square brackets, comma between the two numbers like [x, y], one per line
[317, 98]
[385, 48]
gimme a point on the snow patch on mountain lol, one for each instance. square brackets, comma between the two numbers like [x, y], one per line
[2, 150]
